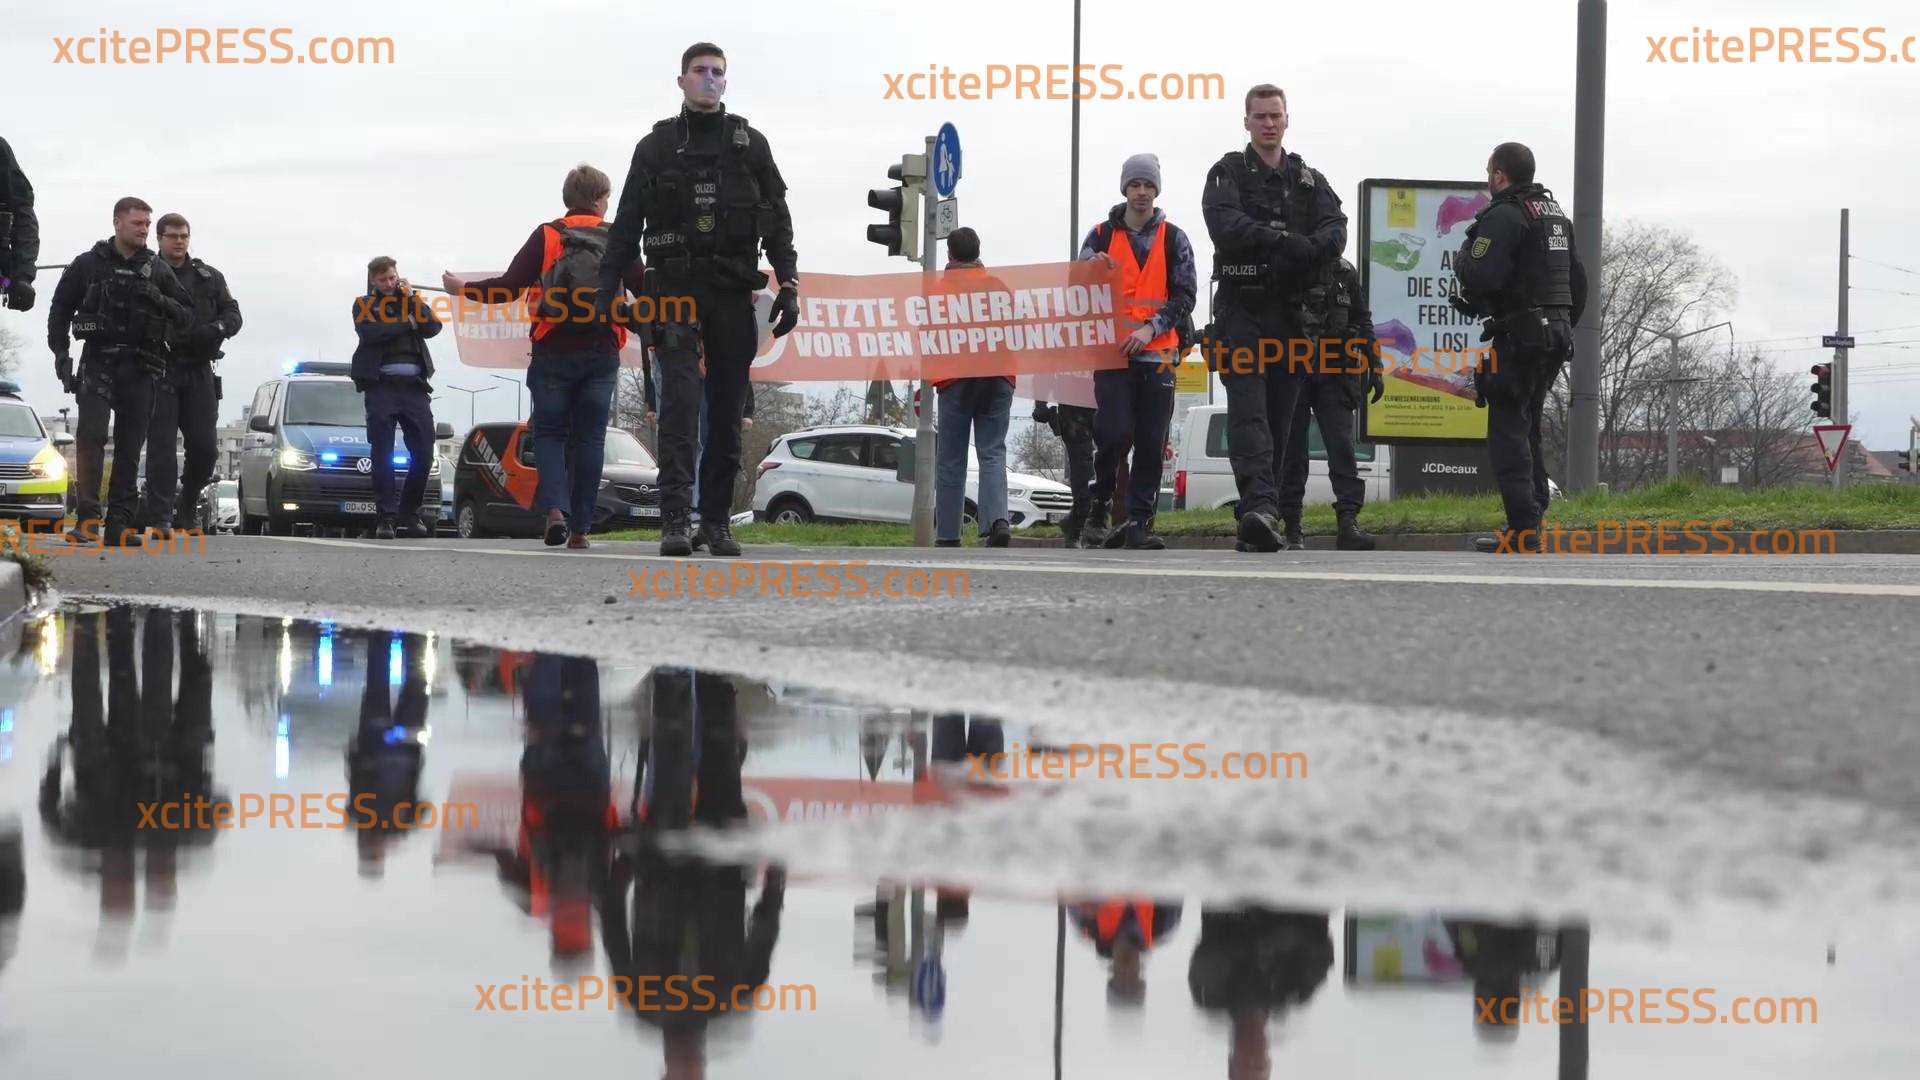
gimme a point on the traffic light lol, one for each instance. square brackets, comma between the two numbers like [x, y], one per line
[901, 234]
[1823, 390]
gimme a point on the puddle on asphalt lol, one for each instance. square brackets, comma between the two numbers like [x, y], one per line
[178, 896]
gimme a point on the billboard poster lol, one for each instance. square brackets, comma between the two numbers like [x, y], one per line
[1409, 231]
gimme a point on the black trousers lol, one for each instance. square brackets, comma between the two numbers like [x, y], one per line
[1260, 404]
[186, 402]
[1074, 425]
[406, 403]
[722, 331]
[116, 394]
[1135, 406]
[1326, 398]
[1516, 394]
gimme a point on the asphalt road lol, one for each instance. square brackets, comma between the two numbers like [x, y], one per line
[1763, 707]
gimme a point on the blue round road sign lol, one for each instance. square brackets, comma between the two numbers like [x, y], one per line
[946, 161]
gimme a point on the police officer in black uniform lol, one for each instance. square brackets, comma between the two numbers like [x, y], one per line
[703, 196]
[1277, 229]
[19, 234]
[124, 302]
[1518, 270]
[1074, 425]
[188, 399]
[1345, 369]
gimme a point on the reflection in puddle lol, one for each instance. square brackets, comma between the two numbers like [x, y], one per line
[549, 788]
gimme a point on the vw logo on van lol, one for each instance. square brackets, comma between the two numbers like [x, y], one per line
[365, 465]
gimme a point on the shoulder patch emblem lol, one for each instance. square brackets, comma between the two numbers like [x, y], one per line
[1481, 246]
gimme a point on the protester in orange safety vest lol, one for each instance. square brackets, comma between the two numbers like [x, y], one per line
[1133, 405]
[1123, 930]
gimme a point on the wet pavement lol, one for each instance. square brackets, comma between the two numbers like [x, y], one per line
[243, 845]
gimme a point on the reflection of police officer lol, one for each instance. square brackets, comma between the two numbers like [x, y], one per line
[703, 196]
[1277, 228]
[1519, 270]
[1501, 959]
[688, 924]
[1338, 384]
[124, 303]
[1254, 962]
[19, 234]
[386, 755]
[188, 398]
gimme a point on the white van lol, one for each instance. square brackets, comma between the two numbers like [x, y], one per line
[1203, 475]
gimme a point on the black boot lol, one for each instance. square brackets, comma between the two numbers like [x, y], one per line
[1259, 531]
[414, 527]
[999, 534]
[1094, 532]
[1139, 538]
[383, 529]
[1070, 528]
[674, 542]
[1510, 542]
[699, 537]
[720, 541]
[1293, 539]
[1350, 537]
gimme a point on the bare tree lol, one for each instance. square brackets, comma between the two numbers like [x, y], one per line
[12, 348]
[1035, 449]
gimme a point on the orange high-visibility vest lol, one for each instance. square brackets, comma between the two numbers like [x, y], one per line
[1107, 917]
[1143, 289]
[550, 254]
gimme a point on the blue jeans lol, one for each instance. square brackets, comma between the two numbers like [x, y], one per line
[983, 405]
[572, 394]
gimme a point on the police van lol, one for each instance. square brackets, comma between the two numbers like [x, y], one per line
[306, 457]
[1203, 473]
[33, 475]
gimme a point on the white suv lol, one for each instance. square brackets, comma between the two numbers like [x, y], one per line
[848, 473]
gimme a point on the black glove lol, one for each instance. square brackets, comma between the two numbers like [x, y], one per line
[1042, 413]
[20, 296]
[1376, 385]
[63, 369]
[1559, 338]
[1296, 248]
[786, 311]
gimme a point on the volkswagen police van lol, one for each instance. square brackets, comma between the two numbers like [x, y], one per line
[33, 475]
[307, 459]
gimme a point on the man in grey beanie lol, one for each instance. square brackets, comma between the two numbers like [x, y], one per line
[1158, 286]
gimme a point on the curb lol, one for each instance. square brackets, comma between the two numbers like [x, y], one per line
[1846, 542]
[13, 589]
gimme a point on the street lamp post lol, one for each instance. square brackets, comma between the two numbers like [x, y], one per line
[471, 395]
[516, 392]
[1673, 390]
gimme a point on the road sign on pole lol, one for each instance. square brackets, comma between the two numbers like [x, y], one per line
[1833, 440]
[1836, 341]
[946, 218]
[946, 161]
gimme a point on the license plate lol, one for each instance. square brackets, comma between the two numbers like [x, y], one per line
[644, 511]
[1055, 519]
[358, 508]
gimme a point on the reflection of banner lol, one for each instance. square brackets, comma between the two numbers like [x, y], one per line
[1409, 230]
[1053, 317]
[498, 335]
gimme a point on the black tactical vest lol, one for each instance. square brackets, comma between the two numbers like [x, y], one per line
[115, 312]
[1296, 210]
[706, 204]
[1543, 267]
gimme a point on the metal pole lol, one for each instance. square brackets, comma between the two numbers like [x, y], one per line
[1840, 355]
[1073, 171]
[1673, 409]
[923, 448]
[1589, 172]
[1059, 982]
[1576, 943]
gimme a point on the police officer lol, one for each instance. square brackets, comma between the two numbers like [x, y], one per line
[1344, 369]
[19, 234]
[187, 402]
[1518, 270]
[1277, 229]
[124, 303]
[703, 196]
[1074, 426]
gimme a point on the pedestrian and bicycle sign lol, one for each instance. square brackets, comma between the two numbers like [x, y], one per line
[945, 166]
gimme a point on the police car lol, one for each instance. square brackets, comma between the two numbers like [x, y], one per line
[33, 475]
[307, 457]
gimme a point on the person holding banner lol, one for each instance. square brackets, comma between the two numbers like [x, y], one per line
[1519, 271]
[1277, 227]
[575, 359]
[1339, 382]
[980, 406]
[703, 196]
[1134, 404]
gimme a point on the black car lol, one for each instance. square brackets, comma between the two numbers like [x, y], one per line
[496, 477]
[307, 457]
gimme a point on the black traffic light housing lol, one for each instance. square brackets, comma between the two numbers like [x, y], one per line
[1823, 390]
[901, 234]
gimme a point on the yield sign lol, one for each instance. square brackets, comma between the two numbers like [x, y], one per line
[1833, 439]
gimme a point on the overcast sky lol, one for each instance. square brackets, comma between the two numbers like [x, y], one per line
[293, 176]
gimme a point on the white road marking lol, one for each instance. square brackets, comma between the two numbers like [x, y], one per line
[1818, 588]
